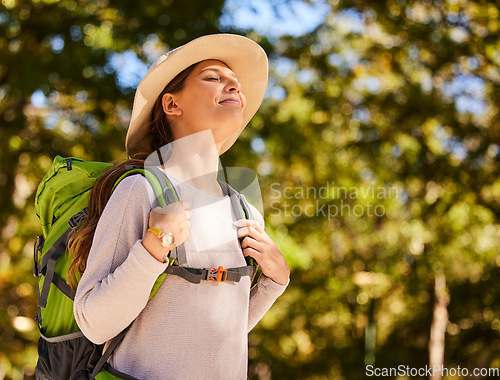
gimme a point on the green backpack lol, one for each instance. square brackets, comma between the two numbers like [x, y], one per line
[61, 204]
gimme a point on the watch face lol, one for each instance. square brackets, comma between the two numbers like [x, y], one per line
[167, 240]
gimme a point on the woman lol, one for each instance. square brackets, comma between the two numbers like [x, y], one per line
[214, 85]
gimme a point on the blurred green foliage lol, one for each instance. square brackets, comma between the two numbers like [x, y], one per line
[377, 149]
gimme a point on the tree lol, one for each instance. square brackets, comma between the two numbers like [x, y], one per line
[393, 108]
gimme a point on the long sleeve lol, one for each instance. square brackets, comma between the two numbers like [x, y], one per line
[262, 297]
[120, 272]
[265, 292]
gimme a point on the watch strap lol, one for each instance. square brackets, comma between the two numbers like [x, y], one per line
[156, 231]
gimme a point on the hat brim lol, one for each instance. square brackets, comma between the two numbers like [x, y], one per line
[243, 56]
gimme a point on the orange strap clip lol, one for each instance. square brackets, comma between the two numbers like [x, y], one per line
[218, 275]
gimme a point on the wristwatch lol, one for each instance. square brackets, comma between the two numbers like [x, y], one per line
[166, 239]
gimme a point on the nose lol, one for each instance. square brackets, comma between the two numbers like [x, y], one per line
[233, 85]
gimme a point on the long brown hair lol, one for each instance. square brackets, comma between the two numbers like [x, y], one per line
[160, 131]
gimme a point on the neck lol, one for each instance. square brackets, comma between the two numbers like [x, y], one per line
[194, 159]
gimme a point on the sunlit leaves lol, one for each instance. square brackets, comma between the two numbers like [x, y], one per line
[405, 98]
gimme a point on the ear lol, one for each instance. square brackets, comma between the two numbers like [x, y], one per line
[170, 106]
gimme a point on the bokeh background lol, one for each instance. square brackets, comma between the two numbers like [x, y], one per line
[377, 148]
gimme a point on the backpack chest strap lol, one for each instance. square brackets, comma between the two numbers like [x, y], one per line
[196, 275]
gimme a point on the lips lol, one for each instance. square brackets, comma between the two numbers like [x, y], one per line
[231, 101]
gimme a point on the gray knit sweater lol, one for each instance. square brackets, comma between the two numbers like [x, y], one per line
[187, 331]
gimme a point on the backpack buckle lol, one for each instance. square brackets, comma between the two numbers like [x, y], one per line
[76, 219]
[218, 275]
[38, 249]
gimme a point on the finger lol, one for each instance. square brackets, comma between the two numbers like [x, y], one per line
[179, 207]
[185, 204]
[249, 251]
[173, 208]
[249, 223]
[248, 242]
[250, 232]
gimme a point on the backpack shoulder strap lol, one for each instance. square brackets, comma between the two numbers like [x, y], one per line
[165, 194]
[162, 187]
[238, 201]
[243, 211]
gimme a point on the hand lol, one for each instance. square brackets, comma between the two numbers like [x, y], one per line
[174, 219]
[258, 245]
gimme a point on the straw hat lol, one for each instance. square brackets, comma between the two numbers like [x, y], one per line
[242, 55]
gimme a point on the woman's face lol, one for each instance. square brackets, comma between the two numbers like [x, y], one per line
[210, 99]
